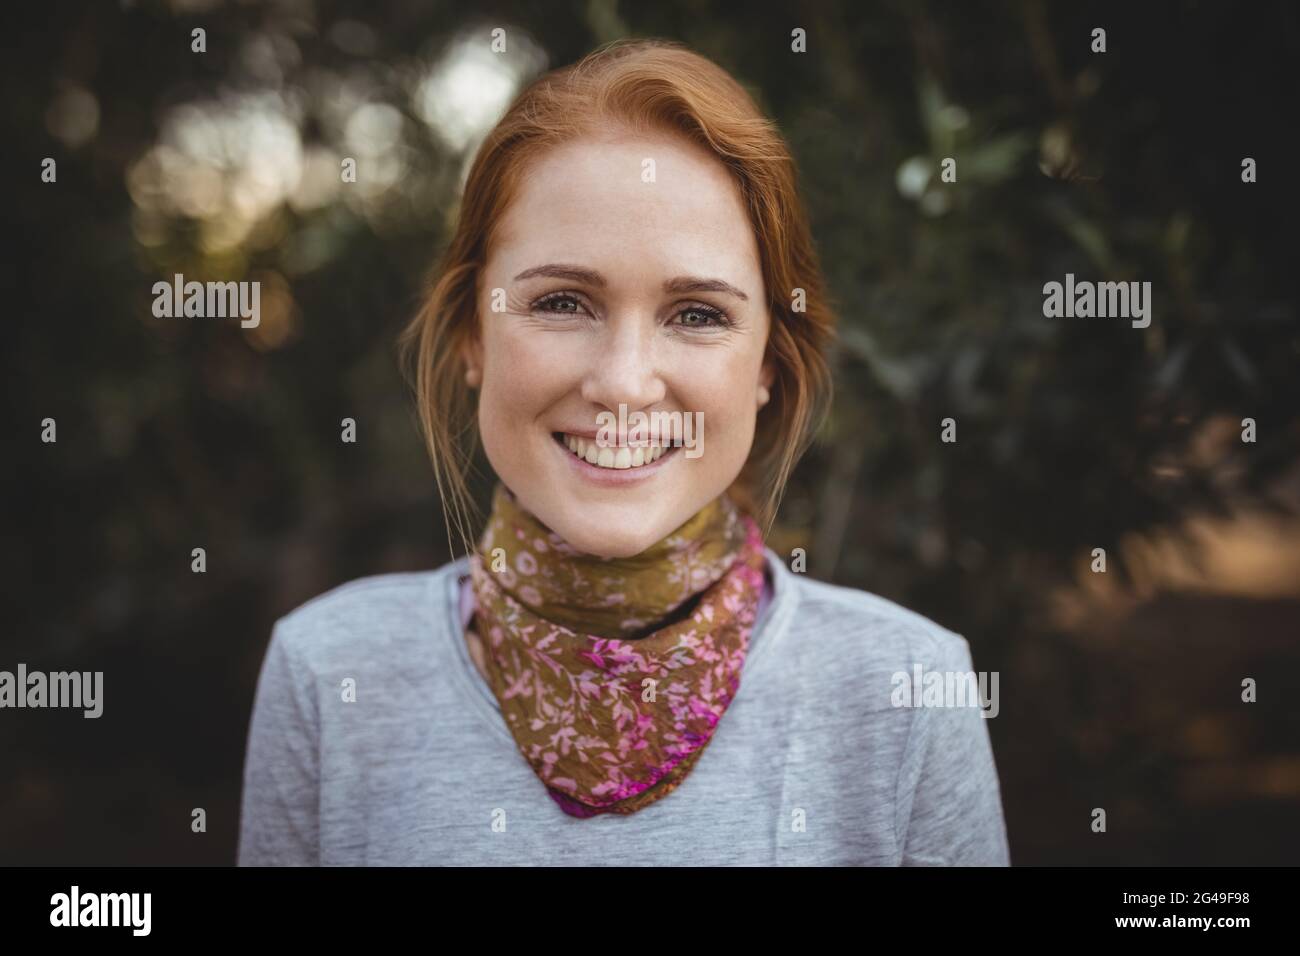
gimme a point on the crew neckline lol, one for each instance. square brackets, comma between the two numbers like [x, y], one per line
[768, 629]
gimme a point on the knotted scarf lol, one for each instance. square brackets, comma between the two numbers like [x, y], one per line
[612, 673]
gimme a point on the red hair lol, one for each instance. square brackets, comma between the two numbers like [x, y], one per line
[644, 86]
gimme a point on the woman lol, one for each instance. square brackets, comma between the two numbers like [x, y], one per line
[632, 313]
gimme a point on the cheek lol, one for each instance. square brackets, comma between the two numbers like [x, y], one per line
[522, 376]
[726, 396]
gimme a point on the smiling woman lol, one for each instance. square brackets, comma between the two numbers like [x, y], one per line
[630, 240]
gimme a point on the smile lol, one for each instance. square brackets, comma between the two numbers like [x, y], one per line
[612, 458]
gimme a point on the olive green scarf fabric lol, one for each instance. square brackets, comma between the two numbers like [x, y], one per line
[612, 673]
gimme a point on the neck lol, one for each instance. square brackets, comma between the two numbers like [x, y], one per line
[621, 598]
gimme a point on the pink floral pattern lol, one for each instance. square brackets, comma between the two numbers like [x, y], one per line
[612, 674]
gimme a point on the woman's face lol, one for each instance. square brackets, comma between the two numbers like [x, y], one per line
[625, 273]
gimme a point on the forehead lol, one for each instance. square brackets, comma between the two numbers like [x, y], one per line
[659, 202]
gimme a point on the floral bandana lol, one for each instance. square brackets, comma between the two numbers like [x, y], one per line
[612, 673]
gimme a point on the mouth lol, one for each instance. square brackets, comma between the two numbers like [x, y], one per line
[586, 452]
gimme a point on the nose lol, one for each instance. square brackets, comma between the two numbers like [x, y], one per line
[623, 368]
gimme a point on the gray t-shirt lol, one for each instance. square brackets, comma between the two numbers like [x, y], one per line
[813, 763]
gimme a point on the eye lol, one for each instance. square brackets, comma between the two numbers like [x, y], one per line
[703, 317]
[695, 316]
[558, 303]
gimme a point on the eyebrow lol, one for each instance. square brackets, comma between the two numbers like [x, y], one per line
[675, 286]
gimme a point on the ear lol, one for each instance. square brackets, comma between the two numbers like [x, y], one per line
[471, 353]
[766, 376]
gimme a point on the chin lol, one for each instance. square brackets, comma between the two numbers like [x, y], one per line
[603, 544]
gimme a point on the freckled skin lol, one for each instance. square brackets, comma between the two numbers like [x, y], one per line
[585, 204]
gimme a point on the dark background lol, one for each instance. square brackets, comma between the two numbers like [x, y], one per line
[1118, 690]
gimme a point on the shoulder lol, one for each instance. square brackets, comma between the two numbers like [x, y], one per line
[872, 633]
[369, 615]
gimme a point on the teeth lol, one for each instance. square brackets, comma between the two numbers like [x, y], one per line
[623, 457]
